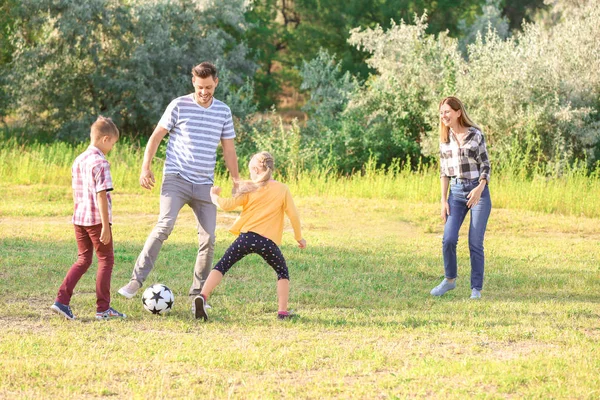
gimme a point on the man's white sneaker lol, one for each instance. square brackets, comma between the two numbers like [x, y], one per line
[130, 289]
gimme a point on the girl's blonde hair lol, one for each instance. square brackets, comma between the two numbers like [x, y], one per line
[464, 119]
[266, 164]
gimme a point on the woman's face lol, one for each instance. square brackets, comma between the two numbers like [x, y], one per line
[448, 116]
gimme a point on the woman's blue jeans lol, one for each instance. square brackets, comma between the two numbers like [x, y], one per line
[457, 200]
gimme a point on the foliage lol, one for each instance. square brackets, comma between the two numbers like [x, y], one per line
[126, 60]
[535, 93]
[7, 22]
[490, 18]
[285, 34]
[329, 132]
[412, 67]
[549, 96]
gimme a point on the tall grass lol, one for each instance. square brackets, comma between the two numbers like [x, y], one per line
[575, 192]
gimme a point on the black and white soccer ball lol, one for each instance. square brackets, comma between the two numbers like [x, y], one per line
[158, 299]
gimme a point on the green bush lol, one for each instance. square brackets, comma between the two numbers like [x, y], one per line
[536, 94]
[127, 60]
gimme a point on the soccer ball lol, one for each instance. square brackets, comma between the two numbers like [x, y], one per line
[158, 299]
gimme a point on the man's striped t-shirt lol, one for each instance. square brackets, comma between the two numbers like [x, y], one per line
[194, 134]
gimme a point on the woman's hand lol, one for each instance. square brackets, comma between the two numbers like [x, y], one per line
[445, 210]
[475, 195]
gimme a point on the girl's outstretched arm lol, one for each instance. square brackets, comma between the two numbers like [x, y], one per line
[226, 204]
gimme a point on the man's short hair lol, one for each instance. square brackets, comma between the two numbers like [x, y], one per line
[204, 70]
[104, 126]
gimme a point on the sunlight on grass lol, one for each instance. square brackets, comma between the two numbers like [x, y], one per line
[367, 328]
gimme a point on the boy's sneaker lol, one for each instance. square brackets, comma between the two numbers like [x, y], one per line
[475, 294]
[130, 289]
[110, 314]
[62, 309]
[286, 315]
[443, 287]
[200, 308]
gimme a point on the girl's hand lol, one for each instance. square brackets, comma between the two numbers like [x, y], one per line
[445, 210]
[215, 191]
[474, 196]
[302, 243]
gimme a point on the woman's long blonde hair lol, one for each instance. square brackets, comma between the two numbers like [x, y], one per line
[464, 119]
[266, 164]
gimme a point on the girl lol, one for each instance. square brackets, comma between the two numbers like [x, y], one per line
[465, 166]
[260, 228]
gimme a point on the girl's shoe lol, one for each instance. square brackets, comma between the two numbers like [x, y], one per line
[286, 314]
[111, 313]
[200, 308]
[62, 309]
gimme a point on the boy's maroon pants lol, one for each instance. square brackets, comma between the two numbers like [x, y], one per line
[88, 240]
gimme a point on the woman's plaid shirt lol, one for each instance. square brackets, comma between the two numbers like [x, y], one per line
[467, 162]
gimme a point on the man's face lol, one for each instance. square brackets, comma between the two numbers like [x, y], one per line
[204, 88]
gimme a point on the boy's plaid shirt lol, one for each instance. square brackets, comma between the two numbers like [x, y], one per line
[467, 162]
[91, 174]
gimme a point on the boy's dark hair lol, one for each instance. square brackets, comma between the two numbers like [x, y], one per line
[104, 126]
[204, 70]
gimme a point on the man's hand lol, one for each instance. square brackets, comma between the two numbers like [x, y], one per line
[147, 179]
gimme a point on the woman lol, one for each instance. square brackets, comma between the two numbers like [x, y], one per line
[465, 168]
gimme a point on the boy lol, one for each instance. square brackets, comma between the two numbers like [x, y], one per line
[92, 218]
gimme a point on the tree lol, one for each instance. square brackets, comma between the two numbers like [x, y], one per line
[285, 33]
[126, 60]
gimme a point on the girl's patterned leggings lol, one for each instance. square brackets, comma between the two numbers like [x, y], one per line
[248, 243]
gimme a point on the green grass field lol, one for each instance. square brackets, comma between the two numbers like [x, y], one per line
[368, 328]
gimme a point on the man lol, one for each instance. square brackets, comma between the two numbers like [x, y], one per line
[196, 123]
